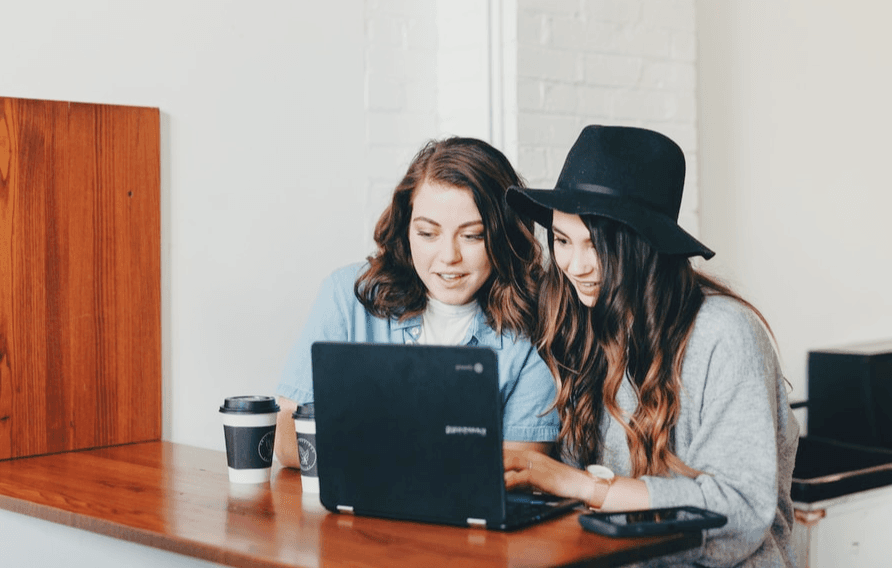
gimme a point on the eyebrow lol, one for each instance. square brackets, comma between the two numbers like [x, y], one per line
[462, 226]
[556, 230]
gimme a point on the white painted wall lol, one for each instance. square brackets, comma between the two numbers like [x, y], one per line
[264, 175]
[463, 70]
[795, 144]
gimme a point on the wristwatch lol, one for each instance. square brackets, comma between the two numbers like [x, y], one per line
[604, 478]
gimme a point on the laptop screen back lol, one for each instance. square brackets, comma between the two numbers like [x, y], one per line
[409, 431]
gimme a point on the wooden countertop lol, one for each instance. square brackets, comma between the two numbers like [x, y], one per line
[179, 498]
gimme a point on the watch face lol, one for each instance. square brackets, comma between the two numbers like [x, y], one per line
[600, 471]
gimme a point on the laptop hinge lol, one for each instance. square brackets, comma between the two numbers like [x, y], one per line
[345, 509]
[472, 522]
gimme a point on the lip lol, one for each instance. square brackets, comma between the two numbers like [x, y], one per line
[586, 286]
[451, 277]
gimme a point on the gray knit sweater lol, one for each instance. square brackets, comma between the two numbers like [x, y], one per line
[737, 427]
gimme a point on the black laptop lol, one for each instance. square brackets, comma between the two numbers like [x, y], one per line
[414, 432]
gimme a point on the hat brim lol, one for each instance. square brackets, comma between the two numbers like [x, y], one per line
[658, 230]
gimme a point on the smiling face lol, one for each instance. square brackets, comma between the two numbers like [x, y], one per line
[575, 255]
[447, 242]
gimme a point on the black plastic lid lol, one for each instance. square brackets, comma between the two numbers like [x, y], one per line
[305, 411]
[249, 405]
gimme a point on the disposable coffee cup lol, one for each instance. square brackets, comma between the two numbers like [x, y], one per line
[305, 426]
[249, 425]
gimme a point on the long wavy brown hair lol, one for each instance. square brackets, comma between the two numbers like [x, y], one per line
[640, 324]
[390, 287]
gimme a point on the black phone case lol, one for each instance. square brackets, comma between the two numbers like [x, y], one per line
[601, 524]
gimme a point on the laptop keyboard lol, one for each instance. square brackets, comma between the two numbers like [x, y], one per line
[528, 504]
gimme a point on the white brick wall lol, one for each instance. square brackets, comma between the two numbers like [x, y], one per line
[526, 75]
[580, 62]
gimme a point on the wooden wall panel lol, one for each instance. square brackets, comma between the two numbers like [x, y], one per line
[80, 276]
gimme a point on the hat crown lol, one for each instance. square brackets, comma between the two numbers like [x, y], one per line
[627, 163]
[630, 175]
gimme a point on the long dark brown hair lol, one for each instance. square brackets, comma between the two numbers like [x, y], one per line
[640, 323]
[391, 288]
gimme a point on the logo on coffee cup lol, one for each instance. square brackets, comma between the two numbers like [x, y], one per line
[265, 447]
[307, 454]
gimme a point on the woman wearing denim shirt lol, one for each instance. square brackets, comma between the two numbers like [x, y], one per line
[453, 266]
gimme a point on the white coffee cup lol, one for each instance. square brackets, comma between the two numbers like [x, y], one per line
[249, 425]
[305, 427]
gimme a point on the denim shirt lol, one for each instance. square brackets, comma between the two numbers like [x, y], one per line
[525, 382]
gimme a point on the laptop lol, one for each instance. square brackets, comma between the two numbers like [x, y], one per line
[414, 432]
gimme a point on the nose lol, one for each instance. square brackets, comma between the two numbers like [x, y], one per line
[450, 251]
[582, 262]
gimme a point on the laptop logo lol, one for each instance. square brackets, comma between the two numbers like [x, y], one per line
[476, 367]
[465, 431]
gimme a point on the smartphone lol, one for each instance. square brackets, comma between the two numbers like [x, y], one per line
[652, 521]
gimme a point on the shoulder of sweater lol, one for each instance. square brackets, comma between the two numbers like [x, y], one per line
[725, 319]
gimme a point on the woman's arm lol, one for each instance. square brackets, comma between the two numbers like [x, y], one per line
[528, 391]
[541, 447]
[736, 427]
[327, 321]
[529, 469]
[286, 437]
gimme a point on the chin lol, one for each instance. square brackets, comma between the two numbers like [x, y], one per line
[454, 300]
[587, 301]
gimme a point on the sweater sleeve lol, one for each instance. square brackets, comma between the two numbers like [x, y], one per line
[732, 429]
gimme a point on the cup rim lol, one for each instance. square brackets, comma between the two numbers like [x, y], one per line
[304, 411]
[249, 404]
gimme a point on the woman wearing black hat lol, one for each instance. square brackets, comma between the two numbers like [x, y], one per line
[453, 266]
[670, 390]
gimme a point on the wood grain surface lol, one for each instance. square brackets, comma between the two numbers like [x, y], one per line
[178, 498]
[80, 300]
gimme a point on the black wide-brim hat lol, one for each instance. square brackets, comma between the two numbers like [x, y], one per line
[632, 175]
